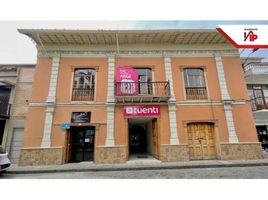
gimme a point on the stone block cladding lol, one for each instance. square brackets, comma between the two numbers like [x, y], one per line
[174, 153]
[241, 151]
[41, 156]
[110, 155]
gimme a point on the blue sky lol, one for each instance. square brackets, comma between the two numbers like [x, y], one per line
[16, 48]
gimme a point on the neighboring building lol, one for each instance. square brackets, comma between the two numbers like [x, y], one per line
[15, 92]
[256, 76]
[108, 96]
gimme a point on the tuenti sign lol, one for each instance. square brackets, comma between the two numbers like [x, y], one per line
[80, 117]
[142, 110]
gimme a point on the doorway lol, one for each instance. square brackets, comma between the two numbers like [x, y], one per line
[201, 141]
[80, 145]
[143, 137]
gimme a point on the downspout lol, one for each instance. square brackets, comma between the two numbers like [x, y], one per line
[42, 45]
[117, 44]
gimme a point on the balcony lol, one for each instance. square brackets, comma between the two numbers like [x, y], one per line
[83, 94]
[260, 103]
[142, 92]
[196, 93]
[256, 73]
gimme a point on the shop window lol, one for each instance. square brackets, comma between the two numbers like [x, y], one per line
[195, 86]
[84, 85]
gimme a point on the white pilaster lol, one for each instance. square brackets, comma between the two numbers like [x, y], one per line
[221, 77]
[111, 64]
[53, 79]
[230, 123]
[46, 141]
[173, 124]
[50, 102]
[169, 78]
[110, 126]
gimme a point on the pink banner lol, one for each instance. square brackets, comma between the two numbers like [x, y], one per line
[126, 78]
[142, 110]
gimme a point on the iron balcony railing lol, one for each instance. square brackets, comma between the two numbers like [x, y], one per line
[153, 89]
[196, 93]
[259, 103]
[83, 94]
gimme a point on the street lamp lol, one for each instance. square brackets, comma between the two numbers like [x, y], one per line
[244, 63]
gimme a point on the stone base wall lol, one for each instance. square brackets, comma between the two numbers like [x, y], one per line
[41, 156]
[174, 153]
[110, 155]
[241, 151]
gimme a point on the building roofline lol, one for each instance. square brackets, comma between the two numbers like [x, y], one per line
[115, 37]
[27, 31]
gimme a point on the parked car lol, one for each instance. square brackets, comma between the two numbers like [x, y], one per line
[4, 161]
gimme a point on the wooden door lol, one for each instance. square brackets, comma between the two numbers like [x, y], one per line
[201, 140]
[68, 156]
[155, 138]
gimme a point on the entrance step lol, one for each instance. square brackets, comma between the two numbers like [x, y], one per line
[142, 159]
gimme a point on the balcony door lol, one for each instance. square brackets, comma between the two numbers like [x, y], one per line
[145, 81]
[84, 85]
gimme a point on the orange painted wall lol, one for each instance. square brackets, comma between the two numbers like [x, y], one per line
[157, 64]
[120, 126]
[164, 129]
[201, 113]
[234, 78]
[212, 77]
[41, 80]
[244, 123]
[65, 77]
[34, 127]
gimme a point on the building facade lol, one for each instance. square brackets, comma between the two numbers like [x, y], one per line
[256, 76]
[15, 92]
[109, 96]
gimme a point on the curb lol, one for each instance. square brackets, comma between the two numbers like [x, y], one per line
[135, 168]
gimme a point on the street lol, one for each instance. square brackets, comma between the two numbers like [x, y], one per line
[257, 172]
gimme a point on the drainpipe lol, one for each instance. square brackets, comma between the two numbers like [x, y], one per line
[117, 43]
[42, 45]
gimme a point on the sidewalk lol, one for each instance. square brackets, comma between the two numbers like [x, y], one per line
[140, 164]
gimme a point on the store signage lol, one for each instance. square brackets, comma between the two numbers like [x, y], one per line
[127, 81]
[142, 110]
[80, 117]
[65, 126]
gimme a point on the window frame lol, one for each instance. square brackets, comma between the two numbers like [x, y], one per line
[74, 69]
[204, 69]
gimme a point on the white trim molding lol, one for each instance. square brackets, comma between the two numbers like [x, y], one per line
[53, 79]
[230, 123]
[111, 66]
[110, 126]
[169, 78]
[174, 139]
[220, 71]
[46, 140]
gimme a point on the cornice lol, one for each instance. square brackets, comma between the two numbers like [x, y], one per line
[140, 53]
